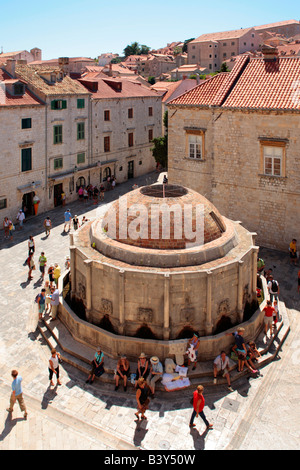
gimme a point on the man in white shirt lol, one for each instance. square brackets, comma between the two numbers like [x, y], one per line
[221, 365]
[20, 218]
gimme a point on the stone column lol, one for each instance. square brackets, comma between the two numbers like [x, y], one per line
[240, 291]
[88, 288]
[121, 301]
[166, 306]
[73, 271]
[254, 271]
[208, 323]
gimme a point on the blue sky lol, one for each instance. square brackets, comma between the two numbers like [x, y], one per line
[78, 28]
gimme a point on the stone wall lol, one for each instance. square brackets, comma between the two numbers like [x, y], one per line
[231, 175]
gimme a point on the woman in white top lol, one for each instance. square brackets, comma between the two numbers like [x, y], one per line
[54, 367]
[31, 245]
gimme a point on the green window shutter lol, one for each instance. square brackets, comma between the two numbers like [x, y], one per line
[80, 103]
[26, 159]
[64, 104]
[53, 104]
[57, 134]
[80, 157]
[80, 131]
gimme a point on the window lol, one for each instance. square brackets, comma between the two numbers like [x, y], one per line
[26, 159]
[195, 144]
[57, 134]
[80, 157]
[3, 204]
[130, 139]
[26, 123]
[58, 163]
[273, 159]
[224, 44]
[80, 130]
[130, 113]
[233, 43]
[80, 103]
[58, 104]
[150, 111]
[107, 144]
[19, 89]
[150, 135]
[107, 115]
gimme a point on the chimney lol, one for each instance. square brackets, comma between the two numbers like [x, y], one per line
[63, 63]
[10, 67]
[110, 70]
[270, 53]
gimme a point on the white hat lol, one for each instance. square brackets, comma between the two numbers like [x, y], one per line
[154, 360]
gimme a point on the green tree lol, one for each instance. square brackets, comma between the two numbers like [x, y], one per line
[151, 80]
[135, 49]
[184, 47]
[160, 150]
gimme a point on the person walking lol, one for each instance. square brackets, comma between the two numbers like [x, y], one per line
[31, 266]
[17, 393]
[142, 398]
[42, 264]
[54, 367]
[47, 225]
[20, 218]
[273, 288]
[268, 318]
[68, 219]
[198, 406]
[6, 222]
[293, 252]
[31, 245]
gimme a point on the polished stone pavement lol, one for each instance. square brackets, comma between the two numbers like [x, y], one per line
[261, 413]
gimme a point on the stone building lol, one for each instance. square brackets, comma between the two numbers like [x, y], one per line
[212, 49]
[235, 138]
[75, 134]
[125, 117]
[22, 118]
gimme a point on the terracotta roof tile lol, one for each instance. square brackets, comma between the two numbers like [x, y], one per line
[252, 83]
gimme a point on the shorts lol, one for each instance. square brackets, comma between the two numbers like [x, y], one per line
[293, 254]
[268, 320]
[241, 354]
[41, 308]
[124, 372]
[42, 269]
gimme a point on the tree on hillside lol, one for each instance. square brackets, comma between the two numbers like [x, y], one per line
[136, 49]
[184, 47]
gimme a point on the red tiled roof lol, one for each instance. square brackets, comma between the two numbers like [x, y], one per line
[129, 88]
[28, 99]
[202, 94]
[267, 85]
[252, 83]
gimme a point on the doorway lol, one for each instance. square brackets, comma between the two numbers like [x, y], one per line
[27, 204]
[58, 189]
[130, 173]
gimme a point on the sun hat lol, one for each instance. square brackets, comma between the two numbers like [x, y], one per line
[154, 360]
[142, 355]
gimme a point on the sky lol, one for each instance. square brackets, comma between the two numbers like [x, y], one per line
[64, 28]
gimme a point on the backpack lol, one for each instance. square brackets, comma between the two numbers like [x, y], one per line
[37, 298]
[274, 286]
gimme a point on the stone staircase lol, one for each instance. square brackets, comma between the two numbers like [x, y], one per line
[80, 355]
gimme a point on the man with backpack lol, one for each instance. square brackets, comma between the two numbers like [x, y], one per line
[273, 288]
[41, 301]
